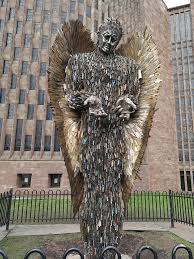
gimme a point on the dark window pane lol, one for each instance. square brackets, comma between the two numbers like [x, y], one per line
[1, 25]
[27, 40]
[47, 143]
[7, 142]
[44, 42]
[9, 40]
[56, 4]
[81, 1]
[37, 28]
[96, 4]
[21, 3]
[28, 142]
[11, 13]
[55, 180]
[189, 187]
[10, 111]
[18, 137]
[38, 136]
[182, 180]
[54, 28]
[48, 113]
[80, 18]
[38, 4]
[88, 11]
[56, 143]
[3, 2]
[32, 82]
[43, 69]
[22, 96]
[13, 81]
[63, 16]
[72, 7]
[95, 25]
[18, 27]
[34, 55]
[24, 180]
[46, 16]
[102, 17]
[1, 124]
[2, 95]
[16, 53]
[29, 15]
[24, 68]
[108, 11]
[6, 67]
[41, 94]
[30, 113]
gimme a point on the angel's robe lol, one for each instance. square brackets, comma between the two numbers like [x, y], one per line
[102, 142]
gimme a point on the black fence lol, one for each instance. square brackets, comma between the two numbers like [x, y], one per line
[107, 250]
[41, 207]
[5, 208]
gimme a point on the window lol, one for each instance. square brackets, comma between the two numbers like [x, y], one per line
[28, 142]
[18, 136]
[13, 81]
[88, 11]
[182, 179]
[27, 40]
[44, 44]
[96, 4]
[102, 17]
[2, 2]
[21, 3]
[189, 187]
[29, 15]
[10, 111]
[7, 142]
[41, 94]
[55, 180]
[80, 18]
[108, 11]
[16, 53]
[56, 4]
[38, 136]
[24, 180]
[95, 25]
[56, 143]
[24, 68]
[54, 28]
[2, 95]
[81, 1]
[37, 28]
[63, 16]
[34, 55]
[22, 96]
[30, 113]
[1, 124]
[48, 113]
[72, 7]
[5, 67]
[47, 143]
[11, 13]
[38, 4]
[32, 82]
[18, 27]
[1, 25]
[46, 16]
[43, 69]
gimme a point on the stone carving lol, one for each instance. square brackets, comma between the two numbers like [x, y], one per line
[103, 101]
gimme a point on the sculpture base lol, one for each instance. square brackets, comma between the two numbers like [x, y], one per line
[78, 257]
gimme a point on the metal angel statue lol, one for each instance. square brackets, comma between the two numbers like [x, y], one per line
[103, 100]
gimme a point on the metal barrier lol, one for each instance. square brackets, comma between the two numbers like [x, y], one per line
[5, 208]
[108, 249]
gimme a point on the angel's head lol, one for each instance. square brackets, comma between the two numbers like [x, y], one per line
[109, 36]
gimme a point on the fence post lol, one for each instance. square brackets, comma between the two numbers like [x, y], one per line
[8, 213]
[171, 208]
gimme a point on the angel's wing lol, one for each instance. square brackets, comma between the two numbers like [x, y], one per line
[71, 39]
[142, 49]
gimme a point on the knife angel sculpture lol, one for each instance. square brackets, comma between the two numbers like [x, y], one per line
[103, 100]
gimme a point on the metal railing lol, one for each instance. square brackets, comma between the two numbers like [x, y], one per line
[5, 208]
[41, 207]
[109, 249]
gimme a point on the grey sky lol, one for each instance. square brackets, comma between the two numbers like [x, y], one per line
[172, 3]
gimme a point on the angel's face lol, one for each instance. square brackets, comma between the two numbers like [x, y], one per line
[108, 41]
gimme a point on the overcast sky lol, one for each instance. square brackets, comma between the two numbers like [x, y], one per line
[172, 3]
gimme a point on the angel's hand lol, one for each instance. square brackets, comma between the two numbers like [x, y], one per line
[124, 107]
[95, 106]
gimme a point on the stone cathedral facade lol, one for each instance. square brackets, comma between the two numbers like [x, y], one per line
[30, 156]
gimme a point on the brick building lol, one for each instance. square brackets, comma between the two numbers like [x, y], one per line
[30, 156]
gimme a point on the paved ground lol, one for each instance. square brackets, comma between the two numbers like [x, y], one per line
[181, 230]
